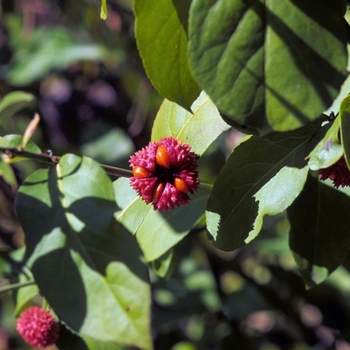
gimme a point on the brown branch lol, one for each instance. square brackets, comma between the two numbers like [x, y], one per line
[49, 159]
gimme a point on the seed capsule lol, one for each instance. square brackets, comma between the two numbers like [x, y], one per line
[162, 157]
[181, 185]
[139, 172]
[157, 192]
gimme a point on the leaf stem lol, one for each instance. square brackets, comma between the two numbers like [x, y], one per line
[50, 159]
[14, 286]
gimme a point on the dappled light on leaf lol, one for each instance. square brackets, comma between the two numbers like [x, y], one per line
[79, 241]
[275, 64]
[235, 209]
[319, 235]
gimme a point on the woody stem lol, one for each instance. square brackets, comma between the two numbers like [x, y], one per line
[52, 160]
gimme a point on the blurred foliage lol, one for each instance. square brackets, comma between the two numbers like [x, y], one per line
[94, 99]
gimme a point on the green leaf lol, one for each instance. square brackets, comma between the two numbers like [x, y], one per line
[68, 340]
[160, 29]
[160, 231]
[329, 150]
[25, 294]
[164, 265]
[320, 234]
[344, 116]
[14, 102]
[104, 10]
[7, 173]
[157, 232]
[73, 240]
[134, 209]
[48, 48]
[262, 176]
[95, 345]
[173, 120]
[13, 141]
[278, 63]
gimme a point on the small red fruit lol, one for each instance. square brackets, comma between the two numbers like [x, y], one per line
[140, 172]
[158, 191]
[162, 157]
[181, 185]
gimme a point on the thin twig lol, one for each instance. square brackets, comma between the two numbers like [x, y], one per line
[52, 160]
[14, 286]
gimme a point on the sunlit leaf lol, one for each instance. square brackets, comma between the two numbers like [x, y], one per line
[173, 120]
[160, 231]
[134, 209]
[157, 232]
[320, 230]
[262, 176]
[73, 239]
[329, 150]
[13, 141]
[160, 29]
[278, 63]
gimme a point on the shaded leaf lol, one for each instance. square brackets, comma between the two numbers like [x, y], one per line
[25, 294]
[162, 23]
[344, 116]
[7, 173]
[319, 235]
[68, 340]
[173, 120]
[262, 176]
[164, 265]
[14, 102]
[160, 231]
[157, 232]
[73, 239]
[260, 62]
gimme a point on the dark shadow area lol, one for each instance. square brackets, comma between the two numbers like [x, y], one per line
[320, 10]
[317, 70]
[56, 269]
[104, 240]
[253, 164]
[320, 74]
[70, 341]
[69, 305]
[100, 242]
[316, 238]
[185, 217]
[182, 8]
